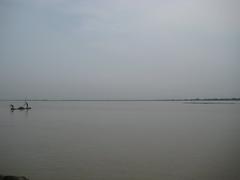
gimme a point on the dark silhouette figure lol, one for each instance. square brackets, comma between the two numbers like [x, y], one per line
[12, 107]
[26, 105]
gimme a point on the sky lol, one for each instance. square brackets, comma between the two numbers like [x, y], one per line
[119, 49]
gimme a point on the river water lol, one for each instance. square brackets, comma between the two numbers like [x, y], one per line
[121, 141]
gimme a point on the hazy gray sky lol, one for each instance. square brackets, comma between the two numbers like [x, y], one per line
[101, 49]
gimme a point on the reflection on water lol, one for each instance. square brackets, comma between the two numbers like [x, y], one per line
[121, 140]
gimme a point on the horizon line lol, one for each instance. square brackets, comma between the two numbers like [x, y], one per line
[166, 99]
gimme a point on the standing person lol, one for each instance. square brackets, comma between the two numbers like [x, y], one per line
[26, 104]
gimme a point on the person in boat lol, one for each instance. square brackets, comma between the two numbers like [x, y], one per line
[12, 107]
[27, 107]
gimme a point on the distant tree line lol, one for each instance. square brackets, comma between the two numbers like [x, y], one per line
[186, 99]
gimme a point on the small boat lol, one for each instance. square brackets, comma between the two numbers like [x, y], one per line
[25, 107]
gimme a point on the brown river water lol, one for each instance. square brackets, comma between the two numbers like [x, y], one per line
[121, 141]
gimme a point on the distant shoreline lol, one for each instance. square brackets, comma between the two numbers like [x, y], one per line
[188, 100]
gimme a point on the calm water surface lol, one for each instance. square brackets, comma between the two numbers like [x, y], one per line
[121, 140]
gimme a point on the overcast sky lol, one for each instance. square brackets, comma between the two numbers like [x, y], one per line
[119, 49]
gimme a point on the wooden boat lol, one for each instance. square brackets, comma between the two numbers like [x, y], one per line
[25, 107]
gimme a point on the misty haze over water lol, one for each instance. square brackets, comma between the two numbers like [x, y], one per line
[128, 49]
